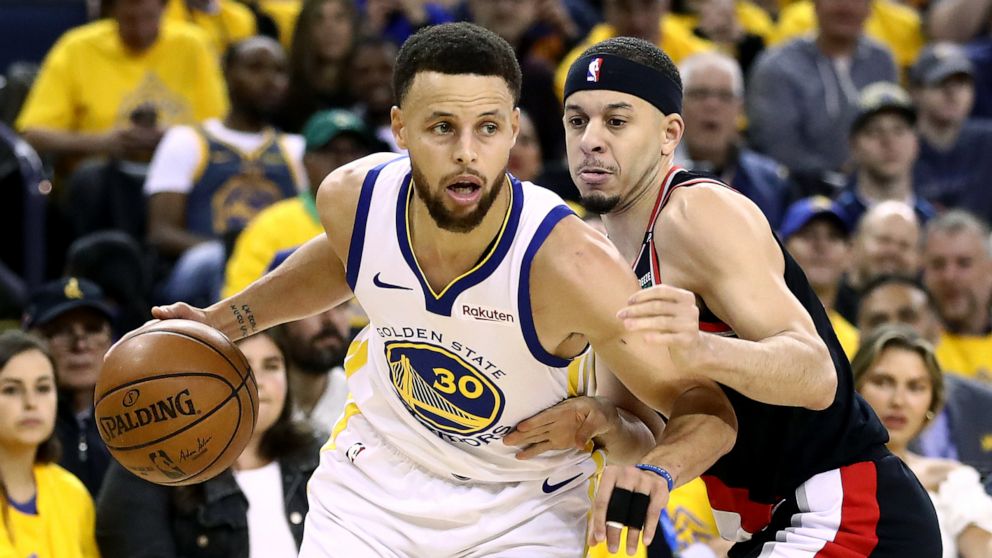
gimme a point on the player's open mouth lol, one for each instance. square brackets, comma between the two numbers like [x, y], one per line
[465, 192]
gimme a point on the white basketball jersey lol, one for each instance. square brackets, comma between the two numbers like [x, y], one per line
[445, 376]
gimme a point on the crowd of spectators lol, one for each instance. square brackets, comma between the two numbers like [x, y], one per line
[167, 150]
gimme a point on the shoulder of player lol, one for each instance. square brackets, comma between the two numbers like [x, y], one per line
[575, 256]
[706, 214]
[344, 184]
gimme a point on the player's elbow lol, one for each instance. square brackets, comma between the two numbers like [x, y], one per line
[822, 388]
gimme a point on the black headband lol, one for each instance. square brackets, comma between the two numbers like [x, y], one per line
[604, 71]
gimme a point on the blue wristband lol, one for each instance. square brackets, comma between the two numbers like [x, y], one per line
[660, 472]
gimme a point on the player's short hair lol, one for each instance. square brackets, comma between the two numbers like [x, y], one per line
[456, 48]
[640, 51]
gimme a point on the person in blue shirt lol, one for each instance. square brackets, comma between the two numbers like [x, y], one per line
[952, 170]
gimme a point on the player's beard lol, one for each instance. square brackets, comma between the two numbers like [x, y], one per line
[600, 203]
[440, 214]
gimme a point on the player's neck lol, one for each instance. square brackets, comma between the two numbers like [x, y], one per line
[17, 471]
[307, 388]
[444, 255]
[627, 223]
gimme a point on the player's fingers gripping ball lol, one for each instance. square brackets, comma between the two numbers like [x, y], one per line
[176, 402]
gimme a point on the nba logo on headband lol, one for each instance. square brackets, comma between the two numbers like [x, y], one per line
[594, 67]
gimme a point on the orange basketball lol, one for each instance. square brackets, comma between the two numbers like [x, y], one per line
[176, 402]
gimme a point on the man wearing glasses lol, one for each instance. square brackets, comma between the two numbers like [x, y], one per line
[70, 313]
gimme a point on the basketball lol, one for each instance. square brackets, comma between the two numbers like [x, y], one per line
[176, 402]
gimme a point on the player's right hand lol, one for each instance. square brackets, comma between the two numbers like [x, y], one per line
[634, 480]
[179, 311]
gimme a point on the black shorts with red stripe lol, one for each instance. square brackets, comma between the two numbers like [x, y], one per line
[873, 508]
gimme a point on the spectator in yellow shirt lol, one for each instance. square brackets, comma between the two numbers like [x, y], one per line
[644, 19]
[893, 24]
[817, 235]
[333, 138]
[46, 512]
[224, 21]
[114, 85]
[957, 269]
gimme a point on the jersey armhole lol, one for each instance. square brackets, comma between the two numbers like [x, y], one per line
[523, 290]
[358, 231]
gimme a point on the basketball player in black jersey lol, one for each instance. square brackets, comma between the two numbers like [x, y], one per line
[809, 475]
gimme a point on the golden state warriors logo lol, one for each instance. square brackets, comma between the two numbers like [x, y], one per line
[441, 389]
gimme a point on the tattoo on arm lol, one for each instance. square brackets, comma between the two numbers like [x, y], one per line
[245, 319]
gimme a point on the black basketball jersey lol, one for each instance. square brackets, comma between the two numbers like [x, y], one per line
[778, 448]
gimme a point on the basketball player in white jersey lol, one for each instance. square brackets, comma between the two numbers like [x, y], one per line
[481, 291]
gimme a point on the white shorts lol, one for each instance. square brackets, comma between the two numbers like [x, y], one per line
[367, 500]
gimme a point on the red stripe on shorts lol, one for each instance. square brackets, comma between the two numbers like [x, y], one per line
[857, 535]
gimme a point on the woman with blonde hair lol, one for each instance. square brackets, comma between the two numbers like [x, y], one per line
[897, 374]
[46, 511]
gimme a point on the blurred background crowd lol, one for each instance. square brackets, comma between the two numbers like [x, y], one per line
[153, 151]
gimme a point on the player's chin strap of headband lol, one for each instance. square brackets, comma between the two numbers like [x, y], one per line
[604, 71]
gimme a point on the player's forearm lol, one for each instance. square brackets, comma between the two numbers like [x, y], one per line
[786, 369]
[701, 429]
[958, 20]
[310, 281]
[628, 438]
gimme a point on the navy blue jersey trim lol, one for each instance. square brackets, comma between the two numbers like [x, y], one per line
[443, 303]
[523, 290]
[361, 221]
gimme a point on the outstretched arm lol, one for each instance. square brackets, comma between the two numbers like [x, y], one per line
[310, 281]
[719, 246]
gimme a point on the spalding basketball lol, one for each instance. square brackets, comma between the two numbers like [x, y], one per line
[176, 402]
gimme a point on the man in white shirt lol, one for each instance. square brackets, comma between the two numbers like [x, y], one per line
[315, 350]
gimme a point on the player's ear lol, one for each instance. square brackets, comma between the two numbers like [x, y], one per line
[673, 127]
[398, 127]
[515, 123]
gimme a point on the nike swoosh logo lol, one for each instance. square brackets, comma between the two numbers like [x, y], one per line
[549, 488]
[383, 285]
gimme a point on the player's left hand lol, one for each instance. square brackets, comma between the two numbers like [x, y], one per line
[571, 424]
[666, 315]
[636, 495]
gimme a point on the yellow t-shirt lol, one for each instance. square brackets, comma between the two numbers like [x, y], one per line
[752, 18]
[281, 226]
[893, 24]
[284, 13]
[967, 355]
[677, 42]
[89, 82]
[689, 509]
[846, 333]
[230, 24]
[64, 526]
